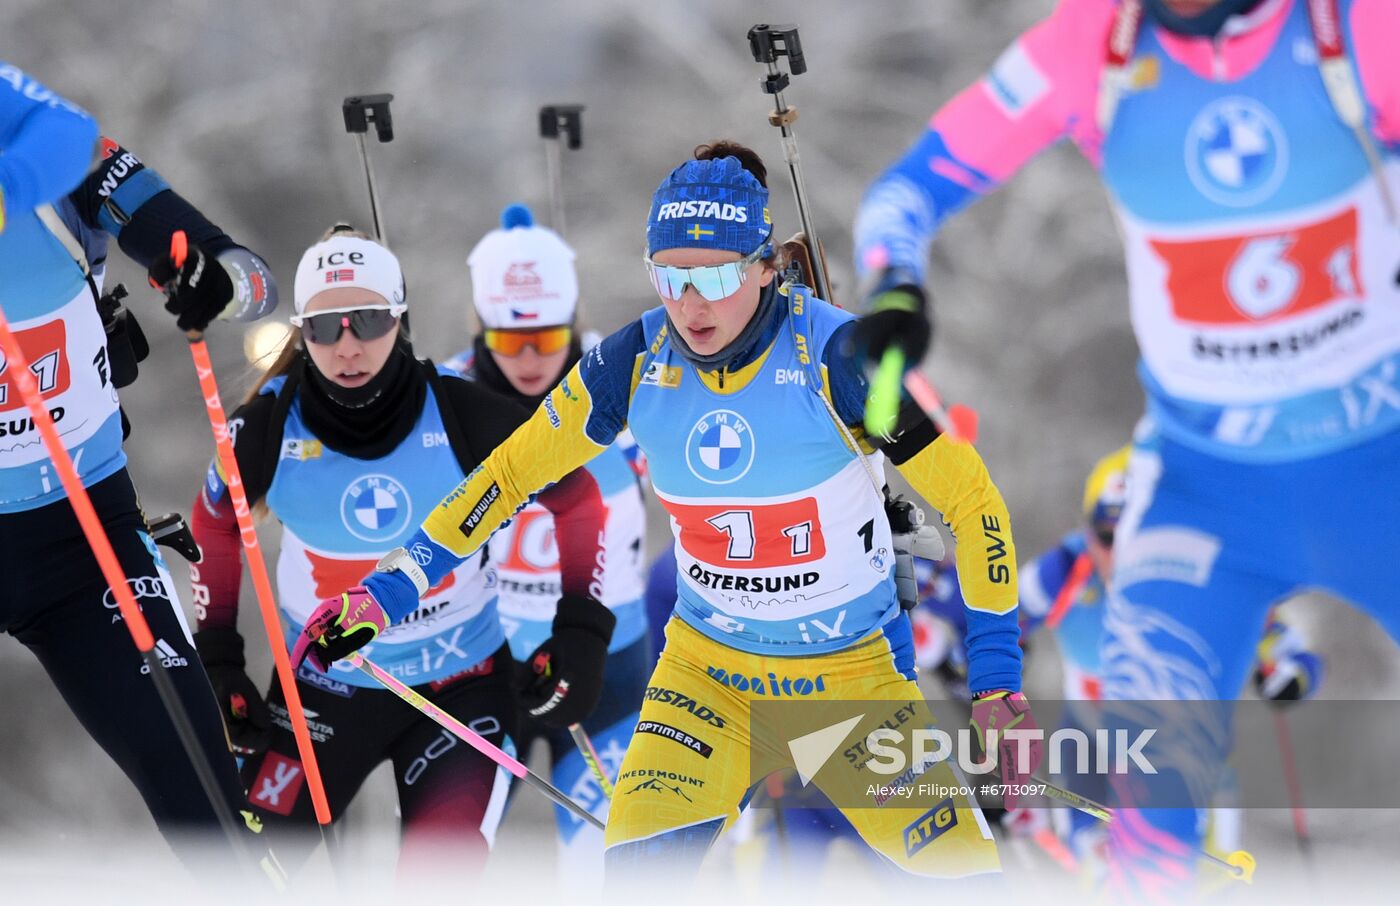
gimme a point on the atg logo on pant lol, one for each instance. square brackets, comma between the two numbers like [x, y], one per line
[929, 826]
[720, 447]
[375, 508]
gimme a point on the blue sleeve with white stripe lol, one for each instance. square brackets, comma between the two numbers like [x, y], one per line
[904, 207]
[121, 185]
[396, 592]
[608, 370]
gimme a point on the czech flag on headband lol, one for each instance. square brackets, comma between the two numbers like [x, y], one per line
[518, 315]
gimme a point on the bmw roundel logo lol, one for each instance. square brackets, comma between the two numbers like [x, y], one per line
[1236, 152]
[720, 447]
[375, 508]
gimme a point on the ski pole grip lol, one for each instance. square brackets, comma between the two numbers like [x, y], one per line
[563, 118]
[882, 403]
[361, 110]
[768, 42]
[179, 248]
[179, 251]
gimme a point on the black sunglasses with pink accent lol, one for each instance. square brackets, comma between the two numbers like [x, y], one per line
[325, 327]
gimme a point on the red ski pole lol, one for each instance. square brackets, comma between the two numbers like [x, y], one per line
[257, 566]
[1078, 576]
[1290, 773]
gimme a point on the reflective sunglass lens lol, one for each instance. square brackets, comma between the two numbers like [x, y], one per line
[545, 341]
[365, 323]
[371, 323]
[713, 282]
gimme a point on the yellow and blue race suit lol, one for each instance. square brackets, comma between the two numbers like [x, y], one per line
[785, 587]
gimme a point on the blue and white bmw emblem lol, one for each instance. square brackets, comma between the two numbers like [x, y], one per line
[720, 447]
[375, 508]
[1236, 152]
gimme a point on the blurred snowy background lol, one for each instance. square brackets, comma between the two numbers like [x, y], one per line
[237, 104]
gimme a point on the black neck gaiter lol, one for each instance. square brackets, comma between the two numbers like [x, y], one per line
[366, 422]
[485, 370]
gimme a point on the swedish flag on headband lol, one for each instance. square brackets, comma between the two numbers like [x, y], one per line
[714, 204]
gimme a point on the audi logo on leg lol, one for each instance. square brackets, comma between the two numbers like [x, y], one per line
[141, 587]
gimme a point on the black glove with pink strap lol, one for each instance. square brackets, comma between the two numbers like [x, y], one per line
[997, 715]
[338, 627]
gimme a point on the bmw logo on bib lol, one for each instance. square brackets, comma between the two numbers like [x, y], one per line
[1236, 152]
[720, 447]
[375, 508]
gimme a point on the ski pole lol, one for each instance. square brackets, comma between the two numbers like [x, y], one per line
[590, 757]
[1055, 848]
[1239, 864]
[24, 381]
[257, 566]
[558, 123]
[959, 422]
[1290, 768]
[1079, 574]
[767, 43]
[775, 786]
[1290, 773]
[359, 112]
[469, 736]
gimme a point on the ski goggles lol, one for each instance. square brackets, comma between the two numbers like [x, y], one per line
[367, 323]
[511, 343]
[714, 282]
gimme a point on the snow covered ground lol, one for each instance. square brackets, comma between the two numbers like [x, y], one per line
[74, 830]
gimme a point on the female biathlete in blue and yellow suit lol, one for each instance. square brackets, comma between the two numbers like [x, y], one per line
[786, 588]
